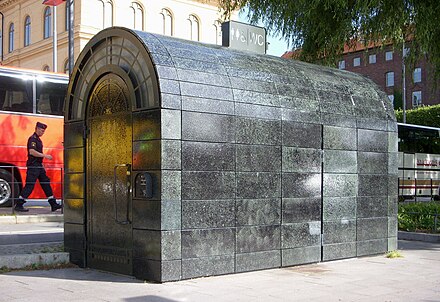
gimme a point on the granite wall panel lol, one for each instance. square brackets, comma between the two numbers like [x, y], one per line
[297, 210]
[204, 214]
[302, 135]
[300, 234]
[257, 238]
[337, 208]
[301, 255]
[297, 185]
[201, 156]
[208, 242]
[257, 261]
[257, 131]
[258, 211]
[302, 160]
[208, 266]
[257, 158]
[254, 185]
[216, 128]
[338, 251]
[208, 185]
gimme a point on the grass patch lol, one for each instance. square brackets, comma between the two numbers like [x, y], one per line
[52, 249]
[394, 254]
[35, 267]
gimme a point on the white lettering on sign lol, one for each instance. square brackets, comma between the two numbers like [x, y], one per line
[247, 36]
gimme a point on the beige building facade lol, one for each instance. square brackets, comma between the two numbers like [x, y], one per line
[27, 26]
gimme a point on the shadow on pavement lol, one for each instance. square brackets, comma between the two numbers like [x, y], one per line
[77, 274]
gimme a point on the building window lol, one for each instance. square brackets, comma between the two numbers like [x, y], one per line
[391, 98]
[390, 79]
[218, 32]
[138, 16]
[27, 31]
[108, 14]
[417, 75]
[417, 98]
[194, 28]
[372, 59]
[356, 61]
[341, 64]
[66, 13]
[47, 22]
[66, 66]
[167, 22]
[105, 13]
[388, 56]
[46, 68]
[11, 37]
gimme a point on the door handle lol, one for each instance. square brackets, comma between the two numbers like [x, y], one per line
[128, 192]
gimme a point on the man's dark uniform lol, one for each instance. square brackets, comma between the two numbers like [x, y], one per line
[35, 169]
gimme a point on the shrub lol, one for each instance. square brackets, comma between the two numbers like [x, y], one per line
[419, 217]
[425, 115]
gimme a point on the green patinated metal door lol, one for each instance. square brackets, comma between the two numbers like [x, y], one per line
[109, 145]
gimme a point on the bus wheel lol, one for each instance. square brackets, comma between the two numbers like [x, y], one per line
[6, 184]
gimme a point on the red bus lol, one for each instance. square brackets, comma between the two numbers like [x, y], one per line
[28, 96]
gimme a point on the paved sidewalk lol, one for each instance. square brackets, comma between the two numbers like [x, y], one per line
[416, 277]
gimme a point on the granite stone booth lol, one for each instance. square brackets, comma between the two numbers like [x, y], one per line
[185, 160]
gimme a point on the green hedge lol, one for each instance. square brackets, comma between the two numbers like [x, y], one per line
[419, 217]
[426, 116]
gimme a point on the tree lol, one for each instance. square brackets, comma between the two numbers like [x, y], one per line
[322, 28]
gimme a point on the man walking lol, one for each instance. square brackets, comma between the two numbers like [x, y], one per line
[35, 170]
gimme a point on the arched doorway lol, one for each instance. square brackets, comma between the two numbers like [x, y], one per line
[109, 158]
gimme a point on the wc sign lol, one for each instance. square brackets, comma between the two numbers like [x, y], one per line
[243, 36]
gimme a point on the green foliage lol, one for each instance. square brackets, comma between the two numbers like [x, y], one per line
[426, 116]
[398, 100]
[322, 27]
[419, 217]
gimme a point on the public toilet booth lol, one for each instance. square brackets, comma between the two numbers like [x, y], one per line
[184, 160]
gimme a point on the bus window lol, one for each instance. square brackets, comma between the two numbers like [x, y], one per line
[50, 97]
[15, 94]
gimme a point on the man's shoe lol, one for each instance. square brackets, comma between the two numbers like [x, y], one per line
[53, 204]
[20, 208]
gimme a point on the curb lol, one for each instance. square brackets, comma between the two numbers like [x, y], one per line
[418, 236]
[15, 219]
[21, 261]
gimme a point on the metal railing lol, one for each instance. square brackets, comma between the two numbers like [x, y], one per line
[13, 183]
[421, 189]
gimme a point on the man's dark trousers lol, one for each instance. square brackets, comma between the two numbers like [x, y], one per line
[33, 173]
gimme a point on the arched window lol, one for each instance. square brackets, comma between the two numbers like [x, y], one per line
[66, 14]
[218, 32]
[47, 22]
[66, 66]
[194, 28]
[27, 31]
[108, 13]
[167, 22]
[104, 13]
[46, 68]
[11, 37]
[138, 16]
